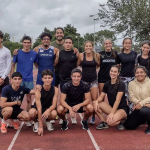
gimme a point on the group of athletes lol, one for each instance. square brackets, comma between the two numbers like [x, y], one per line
[120, 89]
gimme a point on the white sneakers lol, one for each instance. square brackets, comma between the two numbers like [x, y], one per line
[28, 123]
[73, 120]
[48, 124]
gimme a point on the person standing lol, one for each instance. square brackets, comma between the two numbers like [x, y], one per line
[25, 60]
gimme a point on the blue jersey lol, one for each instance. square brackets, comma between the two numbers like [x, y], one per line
[45, 61]
[25, 62]
[12, 95]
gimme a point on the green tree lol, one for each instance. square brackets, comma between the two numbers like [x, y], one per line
[6, 37]
[129, 17]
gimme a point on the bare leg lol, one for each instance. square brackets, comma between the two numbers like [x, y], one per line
[88, 111]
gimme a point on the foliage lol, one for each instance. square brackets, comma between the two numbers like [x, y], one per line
[129, 17]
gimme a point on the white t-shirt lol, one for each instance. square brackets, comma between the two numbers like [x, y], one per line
[5, 62]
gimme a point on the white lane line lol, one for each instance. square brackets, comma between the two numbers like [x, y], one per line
[18, 131]
[91, 136]
[15, 137]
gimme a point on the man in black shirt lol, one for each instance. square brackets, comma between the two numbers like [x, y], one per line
[11, 99]
[72, 100]
[68, 60]
[45, 103]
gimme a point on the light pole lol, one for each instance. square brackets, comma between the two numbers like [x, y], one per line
[95, 19]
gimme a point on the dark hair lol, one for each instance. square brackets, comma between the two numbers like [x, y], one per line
[118, 78]
[141, 67]
[59, 28]
[148, 43]
[1, 34]
[26, 38]
[45, 34]
[76, 70]
[16, 74]
[113, 53]
[68, 37]
[47, 72]
[122, 50]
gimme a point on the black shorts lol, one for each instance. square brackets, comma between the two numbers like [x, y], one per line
[57, 80]
[6, 82]
[15, 113]
[79, 111]
[43, 110]
[126, 109]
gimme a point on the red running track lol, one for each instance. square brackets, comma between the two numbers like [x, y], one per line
[76, 139]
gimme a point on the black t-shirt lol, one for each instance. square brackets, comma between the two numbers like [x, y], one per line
[127, 62]
[67, 62]
[75, 94]
[112, 93]
[12, 95]
[107, 60]
[144, 62]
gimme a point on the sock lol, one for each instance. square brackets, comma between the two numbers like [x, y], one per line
[3, 121]
[15, 120]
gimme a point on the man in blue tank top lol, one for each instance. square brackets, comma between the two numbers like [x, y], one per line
[45, 103]
[45, 56]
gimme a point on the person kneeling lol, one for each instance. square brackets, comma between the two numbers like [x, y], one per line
[45, 103]
[117, 109]
[72, 100]
[11, 99]
[139, 94]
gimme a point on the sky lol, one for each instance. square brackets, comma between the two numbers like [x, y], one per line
[19, 17]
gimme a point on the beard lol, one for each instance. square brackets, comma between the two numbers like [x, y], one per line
[46, 45]
[60, 39]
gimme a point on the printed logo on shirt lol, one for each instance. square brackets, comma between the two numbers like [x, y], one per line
[102, 56]
[109, 60]
[50, 51]
[16, 98]
[21, 92]
[41, 50]
[31, 58]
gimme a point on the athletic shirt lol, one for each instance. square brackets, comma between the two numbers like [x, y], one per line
[127, 62]
[12, 95]
[112, 93]
[144, 62]
[88, 70]
[67, 62]
[5, 62]
[47, 97]
[75, 94]
[46, 59]
[60, 47]
[106, 62]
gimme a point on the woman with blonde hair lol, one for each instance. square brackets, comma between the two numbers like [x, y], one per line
[90, 60]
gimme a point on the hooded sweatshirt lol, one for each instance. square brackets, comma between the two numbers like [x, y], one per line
[139, 91]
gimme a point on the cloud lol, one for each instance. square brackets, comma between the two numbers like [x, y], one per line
[29, 17]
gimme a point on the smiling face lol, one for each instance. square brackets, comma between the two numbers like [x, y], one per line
[59, 34]
[26, 44]
[76, 78]
[47, 79]
[88, 47]
[140, 74]
[46, 41]
[127, 43]
[114, 73]
[108, 45]
[145, 49]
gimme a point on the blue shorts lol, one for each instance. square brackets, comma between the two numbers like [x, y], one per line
[40, 82]
[27, 84]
